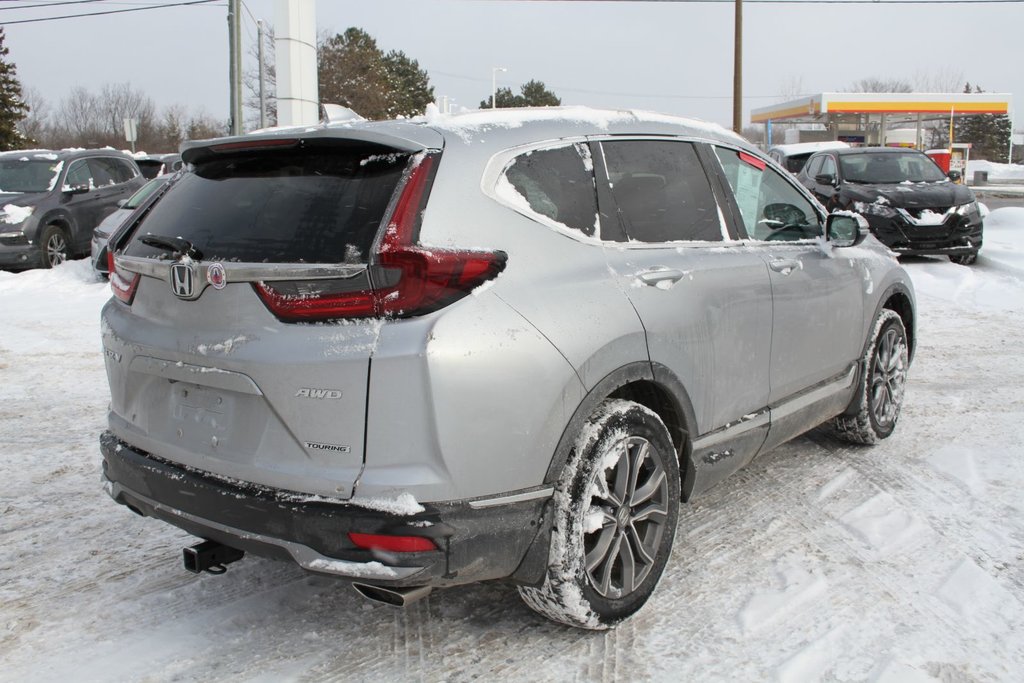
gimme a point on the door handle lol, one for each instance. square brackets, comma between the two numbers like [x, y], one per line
[784, 265]
[656, 276]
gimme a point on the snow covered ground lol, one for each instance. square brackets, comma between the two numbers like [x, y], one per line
[898, 563]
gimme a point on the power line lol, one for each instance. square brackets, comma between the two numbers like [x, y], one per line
[38, 5]
[113, 11]
[808, 2]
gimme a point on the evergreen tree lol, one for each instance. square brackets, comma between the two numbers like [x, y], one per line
[409, 89]
[355, 73]
[12, 106]
[533, 94]
[989, 134]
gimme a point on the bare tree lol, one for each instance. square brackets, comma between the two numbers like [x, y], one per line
[77, 120]
[37, 119]
[874, 84]
[944, 79]
[119, 101]
[251, 81]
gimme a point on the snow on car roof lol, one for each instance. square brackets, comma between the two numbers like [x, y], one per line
[807, 147]
[471, 125]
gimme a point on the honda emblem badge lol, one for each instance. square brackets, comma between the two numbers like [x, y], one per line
[182, 280]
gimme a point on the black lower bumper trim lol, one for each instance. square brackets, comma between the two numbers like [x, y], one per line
[474, 544]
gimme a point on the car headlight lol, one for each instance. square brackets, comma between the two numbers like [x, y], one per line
[874, 209]
[12, 215]
[968, 209]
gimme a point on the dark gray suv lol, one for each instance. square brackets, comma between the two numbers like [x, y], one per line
[50, 201]
[499, 345]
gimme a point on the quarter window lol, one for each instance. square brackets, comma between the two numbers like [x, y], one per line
[772, 208]
[556, 183]
[661, 191]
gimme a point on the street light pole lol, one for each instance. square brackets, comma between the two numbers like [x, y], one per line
[737, 72]
[494, 85]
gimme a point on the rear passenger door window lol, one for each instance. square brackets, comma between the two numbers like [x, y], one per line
[79, 174]
[771, 207]
[557, 184]
[661, 191]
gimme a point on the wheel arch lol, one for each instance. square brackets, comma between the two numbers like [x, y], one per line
[652, 386]
[899, 299]
[60, 219]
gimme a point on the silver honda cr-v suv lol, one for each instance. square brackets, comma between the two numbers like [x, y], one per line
[498, 345]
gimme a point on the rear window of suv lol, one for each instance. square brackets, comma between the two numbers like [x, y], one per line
[318, 205]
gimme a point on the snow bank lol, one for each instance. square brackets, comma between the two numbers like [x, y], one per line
[996, 172]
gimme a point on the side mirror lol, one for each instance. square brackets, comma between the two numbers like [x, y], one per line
[75, 189]
[955, 176]
[846, 229]
[825, 179]
[121, 203]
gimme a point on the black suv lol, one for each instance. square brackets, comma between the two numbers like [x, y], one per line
[910, 204]
[50, 201]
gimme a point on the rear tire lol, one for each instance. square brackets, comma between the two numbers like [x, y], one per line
[615, 516]
[964, 259]
[54, 246]
[883, 381]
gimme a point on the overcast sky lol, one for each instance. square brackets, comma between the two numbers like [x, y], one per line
[674, 57]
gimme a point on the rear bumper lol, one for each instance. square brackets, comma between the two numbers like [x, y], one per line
[476, 540]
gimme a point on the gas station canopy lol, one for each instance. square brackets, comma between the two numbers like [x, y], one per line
[815, 108]
[872, 118]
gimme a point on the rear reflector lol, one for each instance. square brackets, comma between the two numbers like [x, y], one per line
[122, 285]
[406, 279]
[395, 544]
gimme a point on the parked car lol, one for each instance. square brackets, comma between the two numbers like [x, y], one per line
[792, 157]
[154, 165]
[52, 200]
[910, 204]
[415, 354]
[110, 224]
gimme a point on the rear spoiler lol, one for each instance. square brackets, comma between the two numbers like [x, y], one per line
[398, 136]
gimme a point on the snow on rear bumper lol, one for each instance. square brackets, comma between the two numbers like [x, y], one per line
[476, 540]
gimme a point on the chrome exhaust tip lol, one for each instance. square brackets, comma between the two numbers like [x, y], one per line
[397, 597]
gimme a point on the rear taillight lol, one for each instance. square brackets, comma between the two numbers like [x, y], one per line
[395, 544]
[123, 285]
[405, 279]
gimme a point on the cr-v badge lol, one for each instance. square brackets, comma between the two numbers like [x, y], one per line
[182, 280]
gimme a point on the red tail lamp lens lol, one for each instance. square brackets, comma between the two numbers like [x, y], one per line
[395, 544]
[122, 285]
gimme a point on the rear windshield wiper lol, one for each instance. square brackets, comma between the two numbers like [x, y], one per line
[177, 245]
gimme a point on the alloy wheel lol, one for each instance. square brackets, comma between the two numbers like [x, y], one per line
[888, 377]
[56, 249]
[626, 518]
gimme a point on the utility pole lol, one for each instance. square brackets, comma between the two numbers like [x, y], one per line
[737, 72]
[263, 76]
[235, 64]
